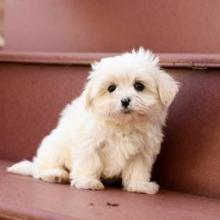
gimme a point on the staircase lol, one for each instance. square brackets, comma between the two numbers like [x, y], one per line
[50, 45]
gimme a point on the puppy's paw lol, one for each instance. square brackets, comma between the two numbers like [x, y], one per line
[55, 175]
[87, 183]
[143, 187]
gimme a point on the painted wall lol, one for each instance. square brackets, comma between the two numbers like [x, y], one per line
[112, 26]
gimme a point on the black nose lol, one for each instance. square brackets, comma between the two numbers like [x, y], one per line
[125, 102]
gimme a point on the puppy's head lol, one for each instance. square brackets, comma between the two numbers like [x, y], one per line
[129, 87]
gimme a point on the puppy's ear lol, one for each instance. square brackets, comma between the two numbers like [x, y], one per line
[167, 88]
[87, 94]
[91, 87]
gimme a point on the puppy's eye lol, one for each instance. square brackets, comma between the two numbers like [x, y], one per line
[112, 88]
[139, 86]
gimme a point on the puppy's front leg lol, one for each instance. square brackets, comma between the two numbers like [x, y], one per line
[86, 169]
[137, 174]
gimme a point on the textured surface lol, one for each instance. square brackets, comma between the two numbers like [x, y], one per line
[32, 97]
[189, 160]
[112, 26]
[25, 195]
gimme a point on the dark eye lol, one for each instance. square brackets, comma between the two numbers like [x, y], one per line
[139, 86]
[112, 88]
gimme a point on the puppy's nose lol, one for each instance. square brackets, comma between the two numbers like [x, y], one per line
[125, 102]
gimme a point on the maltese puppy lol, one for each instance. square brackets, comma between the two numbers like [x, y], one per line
[113, 130]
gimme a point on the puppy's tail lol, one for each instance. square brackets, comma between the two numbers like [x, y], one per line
[24, 167]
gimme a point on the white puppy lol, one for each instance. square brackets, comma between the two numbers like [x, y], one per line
[114, 129]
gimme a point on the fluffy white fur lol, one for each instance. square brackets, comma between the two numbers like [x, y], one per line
[97, 137]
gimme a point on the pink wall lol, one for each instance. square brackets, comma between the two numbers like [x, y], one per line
[112, 26]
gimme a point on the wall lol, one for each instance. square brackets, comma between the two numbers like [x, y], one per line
[112, 26]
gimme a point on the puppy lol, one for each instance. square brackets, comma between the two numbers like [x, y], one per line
[113, 130]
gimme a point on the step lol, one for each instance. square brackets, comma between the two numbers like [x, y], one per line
[35, 87]
[24, 197]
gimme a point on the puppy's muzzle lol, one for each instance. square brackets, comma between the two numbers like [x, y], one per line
[125, 102]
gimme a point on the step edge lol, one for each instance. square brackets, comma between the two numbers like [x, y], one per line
[168, 60]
